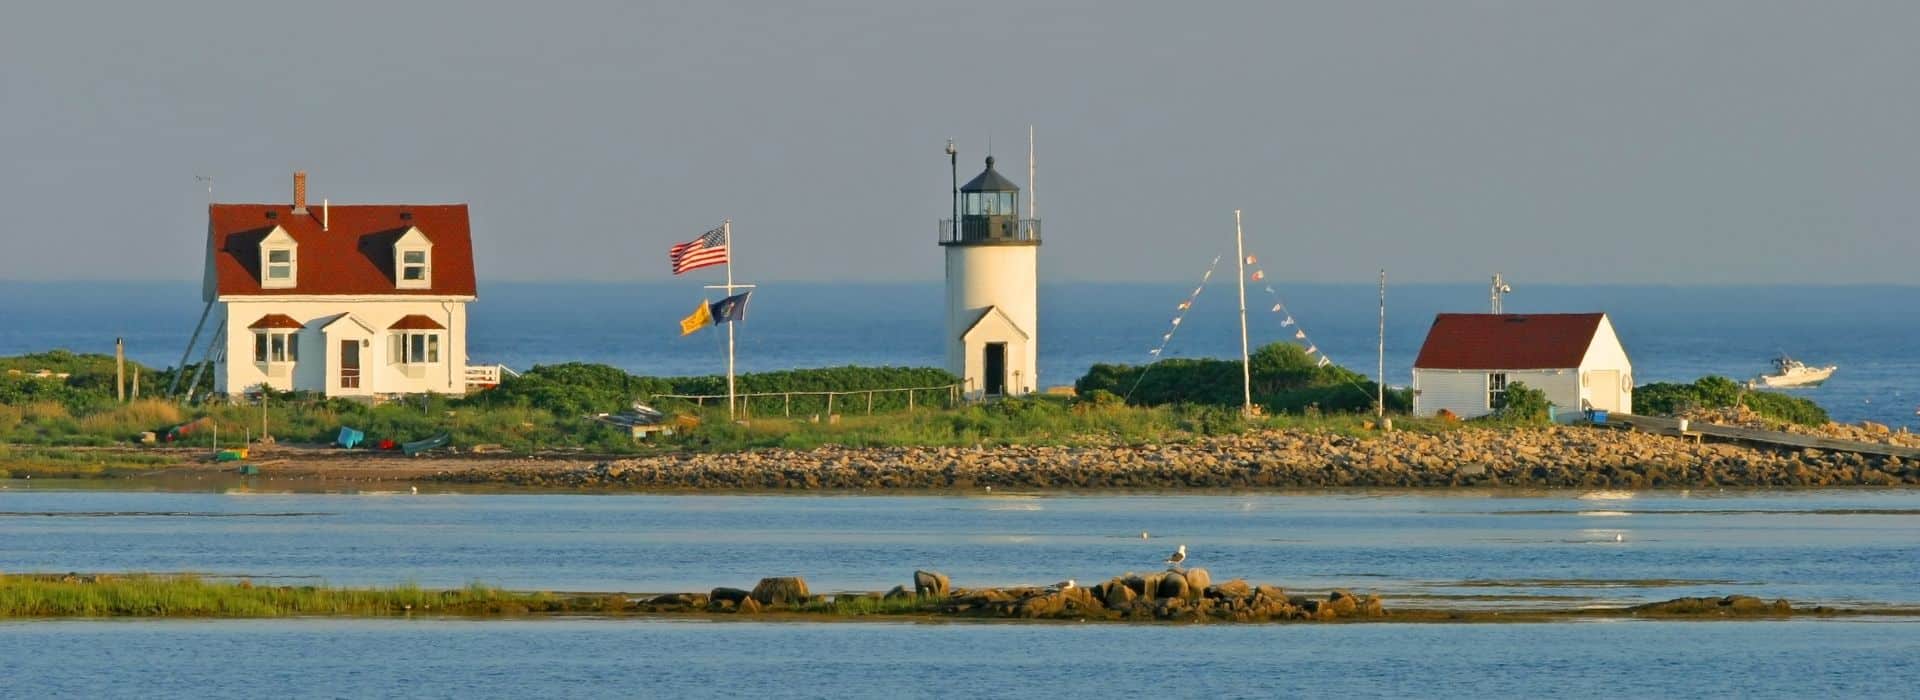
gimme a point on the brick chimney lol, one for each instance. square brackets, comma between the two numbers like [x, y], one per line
[299, 191]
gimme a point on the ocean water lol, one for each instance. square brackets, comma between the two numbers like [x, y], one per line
[587, 658]
[1671, 333]
[1425, 549]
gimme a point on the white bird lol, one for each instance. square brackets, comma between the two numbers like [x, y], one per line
[416, 490]
[1066, 585]
[1179, 555]
[1617, 537]
[1143, 534]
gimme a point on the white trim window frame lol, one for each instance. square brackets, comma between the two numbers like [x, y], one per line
[1496, 390]
[275, 346]
[415, 266]
[279, 267]
[414, 348]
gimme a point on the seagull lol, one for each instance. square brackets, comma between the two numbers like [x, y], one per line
[1179, 555]
[1143, 534]
[1066, 585]
[1617, 537]
[416, 490]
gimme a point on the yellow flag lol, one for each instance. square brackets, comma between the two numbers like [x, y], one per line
[701, 318]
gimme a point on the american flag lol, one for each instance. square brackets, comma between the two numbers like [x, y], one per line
[707, 250]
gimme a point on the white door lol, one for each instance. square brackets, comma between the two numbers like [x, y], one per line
[1603, 389]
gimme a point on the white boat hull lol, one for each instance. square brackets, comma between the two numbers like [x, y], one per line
[1796, 378]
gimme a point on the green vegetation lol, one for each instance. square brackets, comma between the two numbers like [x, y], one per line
[1665, 398]
[190, 596]
[1524, 405]
[1285, 379]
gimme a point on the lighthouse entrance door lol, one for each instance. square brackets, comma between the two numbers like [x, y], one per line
[995, 364]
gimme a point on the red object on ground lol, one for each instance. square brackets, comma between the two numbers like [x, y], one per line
[389, 444]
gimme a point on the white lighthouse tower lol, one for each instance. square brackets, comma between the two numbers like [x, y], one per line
[992, 277]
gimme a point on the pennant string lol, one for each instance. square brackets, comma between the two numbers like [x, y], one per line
[1185, 306]
[1300, 332]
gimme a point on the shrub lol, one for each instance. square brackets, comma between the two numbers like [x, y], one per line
[1283, 379]
[1720, 392]
[1525, 404]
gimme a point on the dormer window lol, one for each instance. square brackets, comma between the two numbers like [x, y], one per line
[279, 260]
[413, 261]
[413, 266]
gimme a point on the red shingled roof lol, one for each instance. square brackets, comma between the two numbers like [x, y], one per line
[1508, 341]
[416, 322]
[276, 321]
[355, 256]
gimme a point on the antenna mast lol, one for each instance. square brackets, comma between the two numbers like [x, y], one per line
[1500, 289]
[1246, 371]
[1380, 376]
[1033, 209]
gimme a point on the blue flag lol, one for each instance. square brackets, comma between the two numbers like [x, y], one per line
[733, 308]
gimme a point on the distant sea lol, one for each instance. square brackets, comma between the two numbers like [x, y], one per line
[1671, 333]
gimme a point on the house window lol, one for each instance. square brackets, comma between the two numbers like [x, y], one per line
[1496, 391]
[276, 346]
[279, 268]
[414, 348]
[415, 268]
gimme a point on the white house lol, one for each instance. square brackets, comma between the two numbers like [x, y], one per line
[349, 300]
[1469, 360]
[993, 311]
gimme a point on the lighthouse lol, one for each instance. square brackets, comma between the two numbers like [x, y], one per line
[992, 276]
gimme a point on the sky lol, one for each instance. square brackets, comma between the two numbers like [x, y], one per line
[1624, 142]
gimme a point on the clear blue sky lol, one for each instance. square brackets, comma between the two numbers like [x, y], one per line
[1562, 142]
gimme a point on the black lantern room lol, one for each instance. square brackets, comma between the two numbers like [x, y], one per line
[990, 213]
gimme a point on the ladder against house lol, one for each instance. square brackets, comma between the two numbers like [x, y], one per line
[482, 377]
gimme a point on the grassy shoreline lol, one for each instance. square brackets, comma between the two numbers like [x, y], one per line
[183, 596]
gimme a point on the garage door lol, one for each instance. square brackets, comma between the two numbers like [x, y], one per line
[1603, 389]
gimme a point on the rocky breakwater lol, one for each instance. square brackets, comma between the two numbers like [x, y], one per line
[1547, 457]
[1189, 595]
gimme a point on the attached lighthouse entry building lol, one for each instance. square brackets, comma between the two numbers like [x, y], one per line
[992, 333]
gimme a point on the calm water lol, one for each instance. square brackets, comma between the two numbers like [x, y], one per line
[1460, 549]
[1448, 549]
[607, 658]
[1672, 333]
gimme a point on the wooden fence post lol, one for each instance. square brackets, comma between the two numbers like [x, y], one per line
[829, 406]
[909, 400]
[869, 402]
[789, 409]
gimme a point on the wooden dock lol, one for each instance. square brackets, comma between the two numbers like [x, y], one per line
[1771, 438]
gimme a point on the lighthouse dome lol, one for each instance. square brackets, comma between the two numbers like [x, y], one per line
[990, 180]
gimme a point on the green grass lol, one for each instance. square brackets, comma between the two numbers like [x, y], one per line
[190, 596]
[53, 462]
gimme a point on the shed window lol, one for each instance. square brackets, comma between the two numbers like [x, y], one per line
[1496, 391]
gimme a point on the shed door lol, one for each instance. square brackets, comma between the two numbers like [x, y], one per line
[1603, 389]
[995, 363]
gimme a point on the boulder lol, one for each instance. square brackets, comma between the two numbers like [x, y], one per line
[1234, 589]
[1119, 597]
[1273, 592]
[1197, 581]
[931, 584]
[1343, 602]
[748, 606]
[897, 593]
[1138, 584]
[1171, 586]
[731, 595]
[780, 590]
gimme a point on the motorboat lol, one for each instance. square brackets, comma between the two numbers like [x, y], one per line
[1789, 373]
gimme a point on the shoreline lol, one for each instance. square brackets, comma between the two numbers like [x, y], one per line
[1556, 457]
[1170, 597]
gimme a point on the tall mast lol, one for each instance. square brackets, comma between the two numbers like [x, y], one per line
[727, 227]
[1033, 211]
[1246, 371]
[1380, 376]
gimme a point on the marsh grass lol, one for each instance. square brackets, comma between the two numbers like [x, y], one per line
[869, 605]
[191, 596]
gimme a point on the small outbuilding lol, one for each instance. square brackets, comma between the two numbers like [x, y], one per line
[1469, 360]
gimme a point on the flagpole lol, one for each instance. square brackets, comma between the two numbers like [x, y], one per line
[1246, 372]
[1380, 376]
[726, 226]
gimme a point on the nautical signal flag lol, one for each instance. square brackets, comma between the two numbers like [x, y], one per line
[728, 310]
[708, 250]
[1259, 275]
[1252, 260]
[733, 308]
[1300, 334]
[1324, 361]
[700, 318]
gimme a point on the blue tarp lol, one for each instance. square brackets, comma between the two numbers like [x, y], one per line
[349, 438]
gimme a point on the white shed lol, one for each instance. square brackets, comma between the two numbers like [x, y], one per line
[1469, 360]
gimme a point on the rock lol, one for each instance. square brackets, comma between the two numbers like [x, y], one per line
[1470, 469]
[1234, 589]
[748, 606]
[1121, 596]
[1138, 584]
[1342, 602]
[679, 600]
[1171, 586]
[731, 595]
[1273, 592]
[897, 593]
[780, 590]
[1197, 582]
[931, 584]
